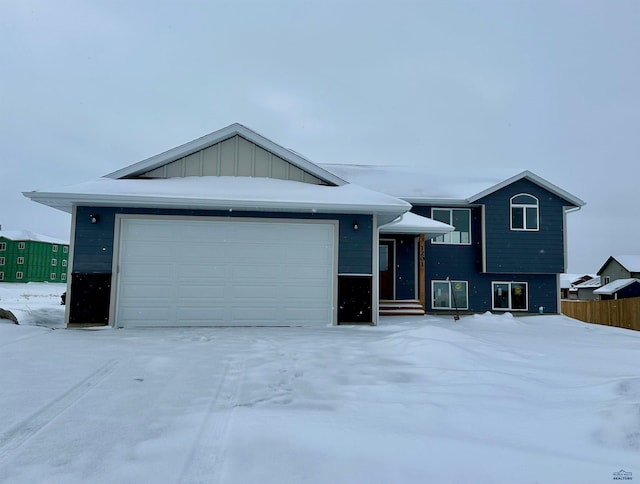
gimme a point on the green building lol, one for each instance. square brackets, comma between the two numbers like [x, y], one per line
[29, 257]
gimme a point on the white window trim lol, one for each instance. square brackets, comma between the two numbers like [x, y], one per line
[65, 249]
[54, 262]
[63, 276]
[20, 260]
[1, 276]
[524, 207]
[510, 308]
[19, 275]
[1, 261]
[450, 210]
[451, 305]
[3, 246]
[21, 245]
[53, 276]
[54, 248]
[64, 263]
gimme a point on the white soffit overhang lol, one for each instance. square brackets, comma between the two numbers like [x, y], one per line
[411, 223]
[228, 193]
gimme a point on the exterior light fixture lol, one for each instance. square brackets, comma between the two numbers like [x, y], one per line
[94, 217]
[355, 226]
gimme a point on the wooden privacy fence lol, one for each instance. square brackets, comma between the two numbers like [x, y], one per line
[621, 313]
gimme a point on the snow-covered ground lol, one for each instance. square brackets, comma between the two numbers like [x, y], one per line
[489, 399]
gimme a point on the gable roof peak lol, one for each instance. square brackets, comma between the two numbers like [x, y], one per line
[235, 129]
[538, 180]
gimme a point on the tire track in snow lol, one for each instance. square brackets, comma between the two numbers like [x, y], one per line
[14, 438]
[203, 465]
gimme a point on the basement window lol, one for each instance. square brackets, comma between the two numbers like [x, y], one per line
[510, 296]
[449, 295]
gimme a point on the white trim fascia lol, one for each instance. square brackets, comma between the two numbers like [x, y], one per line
[219, 136]
[65, 201]
[533, 178]
[483, 235]
[67, 303]
[375, 268]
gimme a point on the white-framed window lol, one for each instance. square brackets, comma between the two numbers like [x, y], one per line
[606, 280]
[20, 245]
[450, 295]
[19, 275]
[3, 246]
[525, 212]
[63, 276]
[510, 296]
[1, 261]
[54, 248]
[460, 218]
[20, 260]
[65, 249]
[64, 263]
[53, 276]
[54, 262]
[1, 276]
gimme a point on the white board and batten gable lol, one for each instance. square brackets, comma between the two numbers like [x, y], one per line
[232, 151]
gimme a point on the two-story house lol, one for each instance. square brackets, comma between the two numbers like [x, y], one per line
[233, 229]
[505, 254]
[29, 257]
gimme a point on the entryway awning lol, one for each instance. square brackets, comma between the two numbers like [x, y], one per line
[411, 223]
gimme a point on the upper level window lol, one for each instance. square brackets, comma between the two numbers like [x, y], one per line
[3, 246]
[54, 248]
[525, 212]
[20, 245]
[65, 249]
[460, 218]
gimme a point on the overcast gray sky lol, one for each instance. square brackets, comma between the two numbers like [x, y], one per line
[90, 86]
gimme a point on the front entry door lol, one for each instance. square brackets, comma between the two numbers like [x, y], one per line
[386, 259]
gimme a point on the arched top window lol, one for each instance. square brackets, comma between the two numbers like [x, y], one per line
[525, 212]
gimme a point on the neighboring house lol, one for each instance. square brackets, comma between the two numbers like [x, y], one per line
[620, 267]
[619, 277]
[568, 283]
[29, 257]
[233, 229]
[619, 289]
[586, 290]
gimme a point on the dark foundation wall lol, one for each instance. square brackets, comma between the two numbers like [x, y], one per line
[94, 247]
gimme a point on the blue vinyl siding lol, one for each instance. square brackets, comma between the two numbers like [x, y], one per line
[513, 252]
[93, 248]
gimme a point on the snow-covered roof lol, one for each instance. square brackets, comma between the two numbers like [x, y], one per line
[631, 263]
[615, 286]
[411, 223]
[419, 186]
[27, 235]
[218, 136]
[222, 192]
[590, 284]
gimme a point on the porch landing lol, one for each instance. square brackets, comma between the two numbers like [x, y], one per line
[405, 307]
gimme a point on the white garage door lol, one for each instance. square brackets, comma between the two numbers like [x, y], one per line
[195, 272]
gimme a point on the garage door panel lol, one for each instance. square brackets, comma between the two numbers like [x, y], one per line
[231, 272]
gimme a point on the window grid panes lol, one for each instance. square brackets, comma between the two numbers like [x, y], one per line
[20, 260]
[21, 245]
[460, 218]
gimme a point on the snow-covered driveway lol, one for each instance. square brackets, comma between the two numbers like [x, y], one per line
[490, 399]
